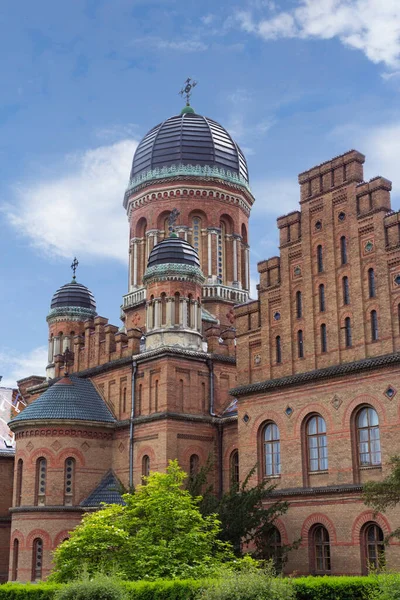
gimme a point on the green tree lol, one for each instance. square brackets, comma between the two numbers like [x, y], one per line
[381, 495]
[160, 532]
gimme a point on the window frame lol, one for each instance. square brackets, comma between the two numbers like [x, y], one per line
[320, 550]
[343, 250]
[300, 344]
[371, 283]
[346, 290]
[324, 338]
[348, 338]
[375, 563]
[37, 556]
[320, 259]
[374, 326]
[371, 463]
[278, 350]
[40, 490]
[321, 297]
[234, 468]
[299, 305]
[69, 481]
[273, 446]
[318, 435]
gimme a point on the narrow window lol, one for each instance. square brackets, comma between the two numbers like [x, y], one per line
[368, 438]
[371, 283]
[163, 308]
[18, 490]
[189, 311]
[177, 307]
[299, 305]
[41, 472]
[343, 250]
[14, 571]
[374, 326]
[374, 547]
[272, 450]
[321, 550]
[69, 481]
[321, 298]
[346, 290]
[153, 312]
[317, 444]
[156, 396]
[300, 344]
[324, 345]
[180, 396]
[273, 548]
[194, 465]
[124, 400]
[37, 559]
[234, 468]
[145, 466]
[203, 396]
[347, 332]
[320, 262]
[278, 349]
[139, 401]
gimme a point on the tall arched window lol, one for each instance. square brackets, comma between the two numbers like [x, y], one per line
[69, 481]
[300, 344]
[346, 290]
[371, 283]
[37, 559]
[145, 466]
[196, 235]
[273, 548]
[299, 305]
[177, 298]
[222, 253]
[156, 396]
[324, 341]
[163, 308]
[343, 250]
[374, 545]
[278, 349]
[374, 326]
[317, 447]
[347, 332]
[234, 468]
[41, 474]
[194, 463]
[14, 570]
[321, 552]
[272, 450]
[368, 437]
[321, 298]
[18, 487]
[320, 260]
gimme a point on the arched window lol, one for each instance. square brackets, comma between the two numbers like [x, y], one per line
[18, 488]
[41, 473]
[346, 290]
[374, 326]
[320, 261]
[272, 450]
[124, 400]
[299, 305]
[368, 438]
[196, 235]
[371, 283]
[324, 341]
[194, 463]
[317, 447]
[234, 468]
[321, 552]
[278, 349]
[156, 396]
[347, 332]
[163, 308]
[189, 311]
[300, 344]
[222, 253]
[145, 466]
[343, 250]
[273, 548]
[321, 298]
[374, 544]
[14, 570]
[37, 559]
[177, 298]
[69, 481]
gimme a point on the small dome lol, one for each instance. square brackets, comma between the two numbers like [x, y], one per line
[73, 295]
[189, 139]
[173, 250]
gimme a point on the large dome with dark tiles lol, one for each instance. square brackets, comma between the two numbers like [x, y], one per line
[73, 294]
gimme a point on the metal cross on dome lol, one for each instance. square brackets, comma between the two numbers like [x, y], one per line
[74, 266]
[187, 89]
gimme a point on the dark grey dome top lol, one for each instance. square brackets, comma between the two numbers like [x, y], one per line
[189, 139]
[73, 294]
[173, 250]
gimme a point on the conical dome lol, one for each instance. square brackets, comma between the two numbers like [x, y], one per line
[73, 299]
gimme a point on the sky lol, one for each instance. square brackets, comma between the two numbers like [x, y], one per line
[295, 83]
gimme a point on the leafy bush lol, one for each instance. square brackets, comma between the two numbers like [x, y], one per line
[387, 587]
[100, 588]
[28, 591]
[334, 588]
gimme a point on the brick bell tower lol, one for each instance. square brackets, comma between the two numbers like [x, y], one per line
[191, 163]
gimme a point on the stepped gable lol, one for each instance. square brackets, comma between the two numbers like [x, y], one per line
[71, 398]
[107, 492]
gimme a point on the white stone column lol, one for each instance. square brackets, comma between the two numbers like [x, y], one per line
[56, 345]
[135, 263]
[198, 312]
[209, 242]
[235, 259]
[66, 343]
[169, 309]
[50, 352]
[156, 314]
[247, 273]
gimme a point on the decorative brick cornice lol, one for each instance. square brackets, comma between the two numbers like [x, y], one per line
[349, 488]
[41, 428]
[72, 313]
[52, 509]
[173, 272]
[359, 366]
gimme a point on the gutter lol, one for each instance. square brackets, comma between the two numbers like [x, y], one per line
[134, 371]
[219, 429]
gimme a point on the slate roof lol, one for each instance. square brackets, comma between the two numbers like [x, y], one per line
[71, 398]
[107, 491]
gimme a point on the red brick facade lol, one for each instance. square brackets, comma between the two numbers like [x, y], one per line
[344, 360]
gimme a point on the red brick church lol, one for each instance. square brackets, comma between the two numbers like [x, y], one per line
[304, 380]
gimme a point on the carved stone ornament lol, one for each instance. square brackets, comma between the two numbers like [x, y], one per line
[336, 402]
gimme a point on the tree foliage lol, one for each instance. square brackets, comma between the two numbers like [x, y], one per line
[159, 533]
[381, 495]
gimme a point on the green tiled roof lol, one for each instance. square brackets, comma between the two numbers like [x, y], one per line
[71, 398]
[108, 491]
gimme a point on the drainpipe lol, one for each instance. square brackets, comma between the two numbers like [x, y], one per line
[210, 365]
[134, 371]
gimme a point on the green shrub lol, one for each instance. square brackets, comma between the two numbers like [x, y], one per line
[334, 588]
[28, 591]
[387, 587]
[100, 588]
[175, 589]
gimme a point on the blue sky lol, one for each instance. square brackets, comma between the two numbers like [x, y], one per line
[295, 82]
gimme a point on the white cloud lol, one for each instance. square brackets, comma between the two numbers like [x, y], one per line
[14, 366]
[372, 26]
[79, 210]
[275, 197]
[185, 45]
